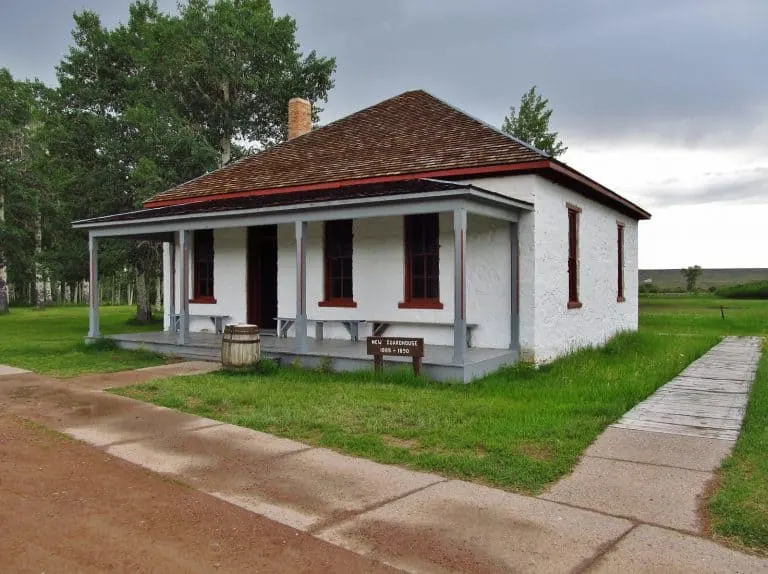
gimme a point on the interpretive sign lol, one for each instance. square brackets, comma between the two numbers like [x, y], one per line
[397, 347]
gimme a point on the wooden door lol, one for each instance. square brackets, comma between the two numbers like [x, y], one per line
[262, 276]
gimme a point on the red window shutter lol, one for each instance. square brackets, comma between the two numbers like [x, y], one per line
[422, 261]
[620, 270]
[573, 256]
[203, 264]
[338, 248]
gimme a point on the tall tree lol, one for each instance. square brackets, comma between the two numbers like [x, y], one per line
[691, 275]
[14, 114]
[164, 98]
[18, 190]
[130, 127]
[530, 123]
[235, 66]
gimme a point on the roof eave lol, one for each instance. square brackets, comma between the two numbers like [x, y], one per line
[614, 199]
[577, 180]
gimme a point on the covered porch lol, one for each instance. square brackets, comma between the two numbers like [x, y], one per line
[456, 202]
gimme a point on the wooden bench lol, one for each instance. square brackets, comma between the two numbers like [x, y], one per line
[217, 320]
[380, 327]
[352, 326]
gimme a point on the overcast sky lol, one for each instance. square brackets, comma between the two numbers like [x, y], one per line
[664, 101]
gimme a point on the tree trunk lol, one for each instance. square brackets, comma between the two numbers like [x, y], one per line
[158, 293]
[4, 301]
[226, 150]
[225, 142]
[143, 308]
[39, 281]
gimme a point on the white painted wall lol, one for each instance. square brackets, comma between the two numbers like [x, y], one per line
[547, 327]
[523, 188]
[229, 280]
[559, 329]
[378, 280]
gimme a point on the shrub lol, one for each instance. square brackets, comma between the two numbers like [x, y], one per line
[101, 344]
[752, 290]
[325, 365]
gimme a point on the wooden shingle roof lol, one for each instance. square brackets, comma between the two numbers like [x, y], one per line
[410, 135]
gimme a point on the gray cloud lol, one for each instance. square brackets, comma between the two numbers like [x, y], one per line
[36, 34]
[683, 72]
[747, 187]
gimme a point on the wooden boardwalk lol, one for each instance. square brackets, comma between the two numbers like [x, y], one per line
[708, 399]
[657, 463]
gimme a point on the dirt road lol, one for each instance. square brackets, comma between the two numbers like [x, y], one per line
[67, 507]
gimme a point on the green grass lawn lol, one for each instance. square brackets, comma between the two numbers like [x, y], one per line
[701, 315]
[51, 341]
[739, 508]
[519, 429]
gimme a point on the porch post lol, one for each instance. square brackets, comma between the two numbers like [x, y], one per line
[459, 286]
[172, 284]
[300, 343]
[93, 300]
[514, 327]
[183, 335]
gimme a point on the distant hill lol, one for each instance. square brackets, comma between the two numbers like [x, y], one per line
[672, 278]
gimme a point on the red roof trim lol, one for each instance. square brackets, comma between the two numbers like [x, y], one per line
[541, 165]
[464, 171]
[574, 175]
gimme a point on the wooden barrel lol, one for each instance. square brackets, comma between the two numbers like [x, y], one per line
[241, 346]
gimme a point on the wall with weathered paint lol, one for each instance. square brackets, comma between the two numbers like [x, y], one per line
[547, 327]
[229, 280]
[378, 281]
[559, 329]
[522, 188]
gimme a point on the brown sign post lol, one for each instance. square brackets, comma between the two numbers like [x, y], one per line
[396, 347]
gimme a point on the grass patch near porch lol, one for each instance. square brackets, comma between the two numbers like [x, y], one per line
[519, 429]
[739, 508]
[51, 341]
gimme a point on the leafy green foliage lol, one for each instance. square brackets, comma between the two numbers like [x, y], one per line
[141, 107]
[753, 290]
[530, 123]
[235, 66]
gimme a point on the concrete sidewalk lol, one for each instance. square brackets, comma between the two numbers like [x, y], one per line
[655, 465]
[418, 522]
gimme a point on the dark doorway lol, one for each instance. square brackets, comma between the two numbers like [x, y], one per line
[262, 276]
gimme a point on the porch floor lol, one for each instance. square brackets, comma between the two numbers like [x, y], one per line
[345, 355]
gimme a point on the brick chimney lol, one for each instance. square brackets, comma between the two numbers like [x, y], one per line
[299, 117]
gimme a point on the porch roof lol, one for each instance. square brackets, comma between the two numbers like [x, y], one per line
[350, 201]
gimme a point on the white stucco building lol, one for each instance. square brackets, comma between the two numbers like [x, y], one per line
[409, 218]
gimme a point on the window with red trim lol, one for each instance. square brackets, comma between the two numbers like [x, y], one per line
[203, 265]
[620, 270]
[338, 263]
[422, 261]
[573, 257]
